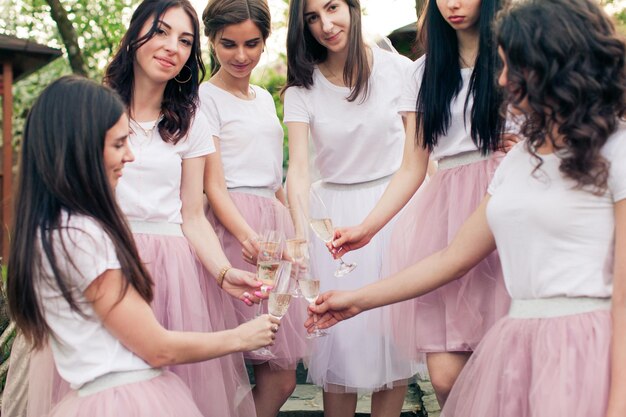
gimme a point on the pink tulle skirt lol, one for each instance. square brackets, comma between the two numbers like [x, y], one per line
[162, 396]
[537, 368]
[456, 316]
[220, 387]
[290, 345]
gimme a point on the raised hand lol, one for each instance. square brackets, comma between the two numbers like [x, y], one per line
[243, 285]
[331, 308]
[258, 333]
[250, 249]
[347, 239]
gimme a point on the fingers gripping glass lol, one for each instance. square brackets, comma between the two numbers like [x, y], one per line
[322, 225]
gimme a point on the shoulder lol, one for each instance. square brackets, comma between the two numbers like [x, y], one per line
[615, 146]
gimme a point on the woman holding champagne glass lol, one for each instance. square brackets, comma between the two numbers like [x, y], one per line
[345, 95]
[243, 180]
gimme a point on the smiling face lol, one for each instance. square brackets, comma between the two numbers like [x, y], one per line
[117, 150]
[460, 14]
[238, 48]
[329, 23]
[163, 56]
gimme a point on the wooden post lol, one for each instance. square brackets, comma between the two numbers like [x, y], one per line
[7, 155]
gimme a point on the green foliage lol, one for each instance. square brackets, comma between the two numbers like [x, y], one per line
[273, 80]
[99, 25]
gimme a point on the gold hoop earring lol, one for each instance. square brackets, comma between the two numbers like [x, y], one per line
[188, 78]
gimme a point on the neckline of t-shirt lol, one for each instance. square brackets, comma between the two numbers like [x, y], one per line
[332, 86]
[229, 94]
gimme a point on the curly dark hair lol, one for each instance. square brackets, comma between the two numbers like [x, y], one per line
[566, 61]
[179, 100]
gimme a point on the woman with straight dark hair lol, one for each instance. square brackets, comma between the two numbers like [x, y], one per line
[556, 209]
[243, 178]
[452, 106]
[75, 280]
[345, 95]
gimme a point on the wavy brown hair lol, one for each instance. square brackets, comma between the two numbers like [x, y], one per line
[566, 60]
[180, 100]
[304, 52]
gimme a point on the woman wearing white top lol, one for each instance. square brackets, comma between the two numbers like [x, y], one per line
[345, 95]
[451, 104]
[75, 280]
[556, 209]
[243, 178]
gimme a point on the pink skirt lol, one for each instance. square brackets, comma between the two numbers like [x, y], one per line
[163, 396]
[455, 317]
[220, 387]
[537, 368]
[290, 345]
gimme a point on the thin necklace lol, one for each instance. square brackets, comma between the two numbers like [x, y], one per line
[147, 130]
[237, 93]
[332, 73]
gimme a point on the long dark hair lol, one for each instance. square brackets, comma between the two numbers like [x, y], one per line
[566, 59]
[442, 80]
[179, 99]
[221, 13]
[304, 52]
[62, 169]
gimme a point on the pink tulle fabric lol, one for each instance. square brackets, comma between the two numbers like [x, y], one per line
[163, 396]
[537, 368]
[219, 386]
[456, 316]
[290, 345]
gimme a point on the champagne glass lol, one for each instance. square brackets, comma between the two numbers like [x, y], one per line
[298, 246]
[310, 287]
[322, 225]
[280, 294]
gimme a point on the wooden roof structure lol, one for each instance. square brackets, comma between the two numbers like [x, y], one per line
[18, 59]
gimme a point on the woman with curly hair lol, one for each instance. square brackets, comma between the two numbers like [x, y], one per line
[556, 210]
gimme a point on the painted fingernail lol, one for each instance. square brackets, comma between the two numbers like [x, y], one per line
[258, 293]
[248, 302]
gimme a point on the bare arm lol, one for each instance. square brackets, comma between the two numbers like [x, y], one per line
[617, 399]
[202, 237]
[472, 243]
[298, 172]
[224, 207]
[132, 322]
[403, 185]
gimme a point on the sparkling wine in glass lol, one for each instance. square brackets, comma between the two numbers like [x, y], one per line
[322, 225]
[310, 288]
[280, 294]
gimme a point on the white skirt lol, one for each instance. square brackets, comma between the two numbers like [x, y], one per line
[359, 354]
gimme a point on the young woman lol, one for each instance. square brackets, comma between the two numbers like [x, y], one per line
[75, 280]
[345, 95]
[451, 102]
[156, 72]
[243, 178]
[556, 209]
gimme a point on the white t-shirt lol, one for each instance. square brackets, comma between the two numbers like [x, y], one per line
[149, 189]
[458, 138]
[355, 142]
[555, 240]
[250, 135]
[82, 347]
